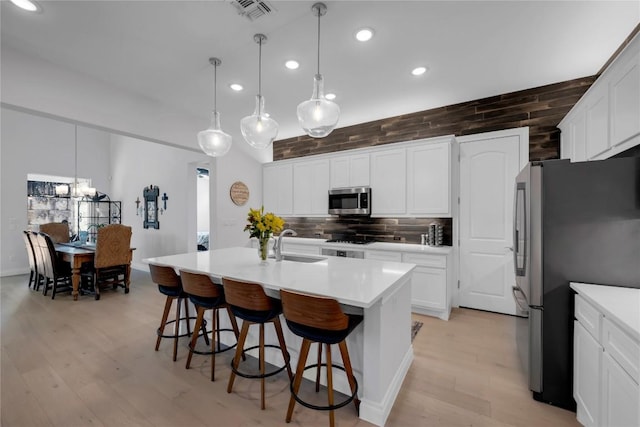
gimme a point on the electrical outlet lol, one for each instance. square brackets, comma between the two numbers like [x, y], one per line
[397, 238]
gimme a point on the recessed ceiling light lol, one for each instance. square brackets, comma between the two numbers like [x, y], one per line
[27, 5]
[330, 96]
[364, 34]
[235, 86]
[418, 71]
[292, 65]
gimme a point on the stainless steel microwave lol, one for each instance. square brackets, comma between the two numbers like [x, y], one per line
[350, 201]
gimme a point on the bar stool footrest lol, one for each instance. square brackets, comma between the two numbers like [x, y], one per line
[204, 322]
[327, 407]
[217, 351]
[266, 374]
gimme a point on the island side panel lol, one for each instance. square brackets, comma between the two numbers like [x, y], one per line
[387, 352]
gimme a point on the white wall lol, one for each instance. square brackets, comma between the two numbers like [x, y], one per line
[228, 220]
[32, 144]
[33, 84]
[121, 167]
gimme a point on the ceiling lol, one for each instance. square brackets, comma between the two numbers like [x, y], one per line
[159, 50]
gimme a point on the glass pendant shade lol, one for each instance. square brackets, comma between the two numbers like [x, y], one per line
[258, 129]
[318, 116]
[213, 141]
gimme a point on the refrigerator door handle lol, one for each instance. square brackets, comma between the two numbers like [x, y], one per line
[524, 308]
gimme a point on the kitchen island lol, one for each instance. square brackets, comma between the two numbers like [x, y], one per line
[380, 347]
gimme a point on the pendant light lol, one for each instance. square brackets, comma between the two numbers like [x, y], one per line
[213, 141]
[318, 116]
[258, 129]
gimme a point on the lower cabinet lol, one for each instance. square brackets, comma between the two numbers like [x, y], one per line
[431, 293]
[587, 361]
[605, 364]
[431, 284]
[620, 395]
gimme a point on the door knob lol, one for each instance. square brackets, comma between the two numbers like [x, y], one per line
[509, 247]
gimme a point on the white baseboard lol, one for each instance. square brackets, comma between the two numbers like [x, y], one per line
[14, 272]
[378, 412]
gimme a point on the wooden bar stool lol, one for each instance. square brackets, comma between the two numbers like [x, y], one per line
[207, 295]
[249, 302]
[319, 320]
[169, 284]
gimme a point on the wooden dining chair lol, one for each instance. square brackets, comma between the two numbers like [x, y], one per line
[58, 231]
[31, 255]
[112, 259]
[57, 274]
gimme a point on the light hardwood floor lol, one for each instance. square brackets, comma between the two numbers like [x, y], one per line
[92, 363]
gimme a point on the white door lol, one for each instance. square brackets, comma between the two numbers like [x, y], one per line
[489, 163]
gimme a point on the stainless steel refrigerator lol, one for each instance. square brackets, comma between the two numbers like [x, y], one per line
[573, 222]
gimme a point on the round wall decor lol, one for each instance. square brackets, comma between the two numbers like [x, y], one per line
[239, 193]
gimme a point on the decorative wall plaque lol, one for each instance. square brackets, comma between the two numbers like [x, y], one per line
[150, 195]
[239, 193]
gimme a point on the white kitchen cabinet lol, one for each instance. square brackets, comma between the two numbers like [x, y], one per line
[606, 359]
[586, 388]
[574, 133]
[350, 171]
[277, 188]
[597, 122]
[429, 179]
[388, 182]
[620, 395]
[606, 120]
[430, 290]
[386, 256]
[310, 187]
[624, 89]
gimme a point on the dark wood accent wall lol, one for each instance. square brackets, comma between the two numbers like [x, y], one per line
[391, 230]
[540, 108]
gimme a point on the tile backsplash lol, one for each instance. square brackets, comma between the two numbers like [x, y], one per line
[392, 230]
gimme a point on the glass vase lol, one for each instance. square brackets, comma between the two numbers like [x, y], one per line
[263, 249]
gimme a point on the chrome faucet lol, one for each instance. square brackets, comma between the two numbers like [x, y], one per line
[278, 246]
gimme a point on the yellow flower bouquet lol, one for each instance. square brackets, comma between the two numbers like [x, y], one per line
[262, 226]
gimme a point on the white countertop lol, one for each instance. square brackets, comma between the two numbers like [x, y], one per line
[376, 246]
[621, 305]
[355, 282]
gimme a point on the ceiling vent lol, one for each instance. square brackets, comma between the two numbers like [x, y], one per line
[253, 9]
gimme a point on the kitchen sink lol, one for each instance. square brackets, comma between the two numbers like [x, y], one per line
[300, 258]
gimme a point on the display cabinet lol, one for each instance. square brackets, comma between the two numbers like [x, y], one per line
[95, 214]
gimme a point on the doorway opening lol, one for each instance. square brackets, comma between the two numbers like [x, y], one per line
[202, 208]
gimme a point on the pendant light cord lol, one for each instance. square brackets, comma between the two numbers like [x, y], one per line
[260, 67]
[259, 74]
[215, 87]
[318, 10]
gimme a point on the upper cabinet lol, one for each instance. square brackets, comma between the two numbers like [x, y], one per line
[606, 120]
[429, 180]
[411, 179]
[350, 171]
[310, 187]
[277, 188]
[388, 182]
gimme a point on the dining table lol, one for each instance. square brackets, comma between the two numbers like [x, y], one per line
[76, 255]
